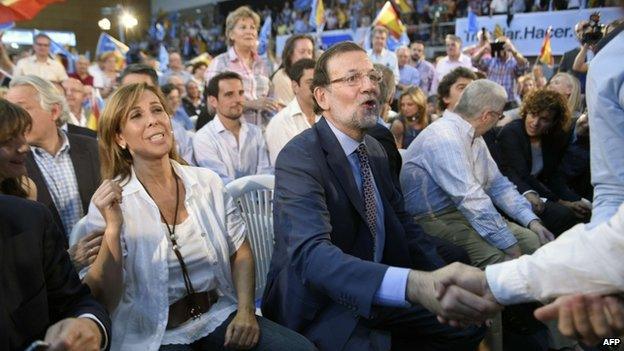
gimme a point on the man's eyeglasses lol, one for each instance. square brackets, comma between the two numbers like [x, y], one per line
[355, 79]
[499, 115]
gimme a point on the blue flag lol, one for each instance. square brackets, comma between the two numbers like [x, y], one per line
[163, 57]
[108, 43]
[473, 26]
[265, 35]
[7, 25]
[301, 4]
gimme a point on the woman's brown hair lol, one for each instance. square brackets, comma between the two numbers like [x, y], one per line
[115, 161]
[14, 121]
[554, 103]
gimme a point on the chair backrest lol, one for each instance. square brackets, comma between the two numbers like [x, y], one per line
[253, 196]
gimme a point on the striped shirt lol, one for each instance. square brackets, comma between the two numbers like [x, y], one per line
[448, 166]
[504, 73]
[60, 177]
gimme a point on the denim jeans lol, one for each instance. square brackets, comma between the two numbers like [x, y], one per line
[272, 337]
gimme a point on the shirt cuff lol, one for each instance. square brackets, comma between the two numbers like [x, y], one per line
[502, 239]
[391, 292]
[527, 216]
[102, 329]
[507, 284]
[530, 191]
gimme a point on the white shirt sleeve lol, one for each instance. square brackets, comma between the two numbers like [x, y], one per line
[581, 260]
[207, 154]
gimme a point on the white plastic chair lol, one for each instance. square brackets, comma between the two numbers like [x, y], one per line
[254, 197]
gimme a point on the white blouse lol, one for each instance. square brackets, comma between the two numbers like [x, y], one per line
[140, 319]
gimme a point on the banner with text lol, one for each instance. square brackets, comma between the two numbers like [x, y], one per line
[527, 30]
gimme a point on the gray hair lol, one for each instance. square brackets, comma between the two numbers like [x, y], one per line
[402, 47]
[47, 94]
[479, 96]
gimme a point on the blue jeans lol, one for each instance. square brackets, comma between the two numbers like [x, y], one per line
[272, 337]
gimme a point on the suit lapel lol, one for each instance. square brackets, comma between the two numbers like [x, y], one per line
[80, 161]
[43, 193]
[339, 165]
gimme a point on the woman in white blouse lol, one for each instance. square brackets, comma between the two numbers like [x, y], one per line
[174, 269]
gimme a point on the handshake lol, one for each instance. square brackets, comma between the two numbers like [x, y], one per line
[459, 295]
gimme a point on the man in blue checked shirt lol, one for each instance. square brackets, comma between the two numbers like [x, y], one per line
[452, 184]
[503, 67]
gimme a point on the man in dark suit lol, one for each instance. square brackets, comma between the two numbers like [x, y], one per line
[41, 296]
[343, 272]
[64, 166]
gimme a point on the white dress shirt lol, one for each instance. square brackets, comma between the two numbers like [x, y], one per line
[51, 70]
[446, 65]
[140, 319]
[284, 126]
[388, 59]
[217, 148]
[581, 260]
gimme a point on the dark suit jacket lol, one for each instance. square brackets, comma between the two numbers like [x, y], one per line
[514, 150]
[85, 159]
[566, 63]
[74, 129]
[322, 278]
[38, 284]
[386, 139]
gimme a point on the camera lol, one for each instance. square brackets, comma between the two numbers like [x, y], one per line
[496, 47]
[592, 32]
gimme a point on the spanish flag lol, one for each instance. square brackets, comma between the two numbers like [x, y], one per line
[545, 55]
[403, 6]
[21, 10]
[498, 31]
[317, 16]
[389, 18]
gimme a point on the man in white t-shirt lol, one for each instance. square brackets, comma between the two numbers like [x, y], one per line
[453, 59]
[41, 64]
[298, 115]
[379, 53]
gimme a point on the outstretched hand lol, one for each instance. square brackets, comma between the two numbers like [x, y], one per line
[457, 294]
[587, 318]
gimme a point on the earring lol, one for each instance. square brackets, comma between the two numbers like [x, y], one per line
[122, 146]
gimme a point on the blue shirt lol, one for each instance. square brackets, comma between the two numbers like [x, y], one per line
[60, 177]
[409, 75]
[391, 292]
[447, 165]
[605, 104]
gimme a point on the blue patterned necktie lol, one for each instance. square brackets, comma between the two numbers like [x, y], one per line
[368, 192]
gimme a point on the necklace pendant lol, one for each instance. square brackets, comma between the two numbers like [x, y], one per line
[195, 312]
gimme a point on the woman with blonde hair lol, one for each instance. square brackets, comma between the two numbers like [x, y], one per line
[175, 268]
[106, 82]
[570, 87]
[15, 122]
[241, 31]
[413, 112]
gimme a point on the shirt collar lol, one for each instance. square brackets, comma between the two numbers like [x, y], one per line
[346, 142]
[381, 54]
[460, 122]
[64, 146]
[233, 55]
[219, 127]
[33, 59]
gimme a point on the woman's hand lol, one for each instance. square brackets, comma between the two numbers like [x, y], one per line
[580, 209]
[536, 203]
[107, 199]
[243, 332]
[84, 252]
[264, 104]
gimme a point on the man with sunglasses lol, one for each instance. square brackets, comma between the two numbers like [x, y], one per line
[452, 184]
[350, 269]
[41, 64]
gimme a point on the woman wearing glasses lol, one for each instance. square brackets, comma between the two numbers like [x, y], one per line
[530, 152]
[413, 112]
[174, 269]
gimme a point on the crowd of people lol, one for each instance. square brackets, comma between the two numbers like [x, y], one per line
[413, 199]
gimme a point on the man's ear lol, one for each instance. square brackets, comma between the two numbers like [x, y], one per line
[55, 111]
[212, 101]
[320, 95]
[295, 86]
